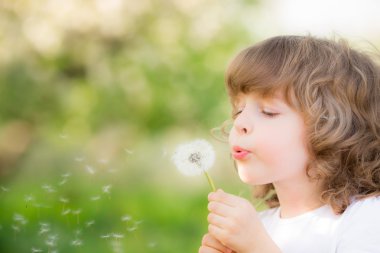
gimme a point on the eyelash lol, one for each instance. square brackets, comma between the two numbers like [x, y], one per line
[268, 114]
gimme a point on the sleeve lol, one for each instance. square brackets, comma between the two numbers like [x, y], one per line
[361, 230]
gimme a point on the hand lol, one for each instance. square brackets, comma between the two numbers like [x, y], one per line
[212, 245]
[234, 222]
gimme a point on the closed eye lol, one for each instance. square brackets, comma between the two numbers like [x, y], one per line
[235, 114]
[269, 114]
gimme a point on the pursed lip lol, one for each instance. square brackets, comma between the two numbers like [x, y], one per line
[240, 153]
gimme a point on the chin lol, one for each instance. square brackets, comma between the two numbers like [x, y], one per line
[245, 177]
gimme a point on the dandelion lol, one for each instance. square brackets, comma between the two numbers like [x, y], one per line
[195, 158]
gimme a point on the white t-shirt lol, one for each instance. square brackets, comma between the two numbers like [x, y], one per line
[357, 230]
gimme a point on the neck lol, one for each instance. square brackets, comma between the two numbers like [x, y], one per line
[297, 198]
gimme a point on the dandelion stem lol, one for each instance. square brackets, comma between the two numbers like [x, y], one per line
[211, 183]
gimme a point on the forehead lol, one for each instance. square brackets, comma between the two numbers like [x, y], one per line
[276, 98]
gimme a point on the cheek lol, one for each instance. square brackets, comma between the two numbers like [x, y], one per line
[285, 148]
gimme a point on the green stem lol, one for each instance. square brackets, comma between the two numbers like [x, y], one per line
[210, 182]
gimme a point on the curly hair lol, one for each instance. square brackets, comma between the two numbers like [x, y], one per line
[337, 91]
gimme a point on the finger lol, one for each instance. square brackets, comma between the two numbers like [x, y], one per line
[210, 241]
[206, 249]
[220, 208]
[218, 233]
[218, 221]
[226, 198]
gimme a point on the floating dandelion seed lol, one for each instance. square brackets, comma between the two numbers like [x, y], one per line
[126, 218]
[116, 246]
[16, 228]
[66, 175]
[95, 198]
[117, 236]
[195, 158]
[131, 229]
[103, 161]
[64, 200]
[76, 242]
[51, 241]
[18, 218]
[105, 236]
[77, 212]
[152, 244]
[4, 189]
[66, 212]
[44, 228]
[48, 188]
[62, 182]
[29, 198]
[34, 250]
[128, 151]
[106, 189]
[90, 169]
[79, 159]
[90, 223]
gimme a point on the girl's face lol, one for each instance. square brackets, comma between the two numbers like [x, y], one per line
[267, 141]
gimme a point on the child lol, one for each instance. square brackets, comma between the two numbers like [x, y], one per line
[306, 124]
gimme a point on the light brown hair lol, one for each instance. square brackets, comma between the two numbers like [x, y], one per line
[337, 91]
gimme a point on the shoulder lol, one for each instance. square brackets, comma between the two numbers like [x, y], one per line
[363, 209]
[360, 227]
[268, 216]
[268, 213]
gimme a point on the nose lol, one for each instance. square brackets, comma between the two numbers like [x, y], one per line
[243, 123]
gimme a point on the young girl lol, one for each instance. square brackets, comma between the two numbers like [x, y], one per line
[306, 124]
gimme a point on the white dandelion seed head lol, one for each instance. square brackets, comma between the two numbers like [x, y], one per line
[194, 158]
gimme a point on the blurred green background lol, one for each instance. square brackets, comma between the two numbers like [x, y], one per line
[94, 97]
